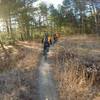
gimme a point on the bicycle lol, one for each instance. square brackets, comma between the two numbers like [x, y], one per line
[45, 52]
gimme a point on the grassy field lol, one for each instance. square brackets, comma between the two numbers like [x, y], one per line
[18, 76]
[77, 67]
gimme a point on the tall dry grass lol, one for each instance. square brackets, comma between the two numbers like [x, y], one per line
[74, 81]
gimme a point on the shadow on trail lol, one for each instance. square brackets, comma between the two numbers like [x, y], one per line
[18, 85]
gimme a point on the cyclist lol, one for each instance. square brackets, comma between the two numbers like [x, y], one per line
[50, 40]
[46, 45]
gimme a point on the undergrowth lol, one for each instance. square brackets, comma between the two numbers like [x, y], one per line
[76, 80]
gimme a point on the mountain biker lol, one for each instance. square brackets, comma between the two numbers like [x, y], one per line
[46, 44]
[55, 38]
[50, 40]
[58, 35]
[45, 37]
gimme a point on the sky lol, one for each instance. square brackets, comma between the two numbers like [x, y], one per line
[54, 2]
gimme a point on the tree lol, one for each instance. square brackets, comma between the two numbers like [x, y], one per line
[82, 13]
[55, 16]
[5, 12]
[20, 10]
[43, 18]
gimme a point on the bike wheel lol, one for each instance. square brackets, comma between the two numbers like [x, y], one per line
[45, 54]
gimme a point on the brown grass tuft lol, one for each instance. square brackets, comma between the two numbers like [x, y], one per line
[75, 77]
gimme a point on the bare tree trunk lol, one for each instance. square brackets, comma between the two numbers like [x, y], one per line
[11, 32]
[92, 27]
[31, 32]
[95, 16]
[47, 23]
[28, 36]
[7, 26]
[82, 22]
[3, 48]
[40, 24]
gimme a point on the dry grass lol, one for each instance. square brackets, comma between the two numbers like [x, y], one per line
[24, 55]
[77, 71]
[18, 81]
[8, 61]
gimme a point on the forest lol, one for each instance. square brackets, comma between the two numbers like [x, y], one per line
[71, 70]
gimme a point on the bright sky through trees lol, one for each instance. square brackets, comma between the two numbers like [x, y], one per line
[54, 2]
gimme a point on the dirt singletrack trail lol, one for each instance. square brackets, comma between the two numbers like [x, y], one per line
[47, 89]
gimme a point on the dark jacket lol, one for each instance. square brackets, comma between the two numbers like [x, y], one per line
[46, 44]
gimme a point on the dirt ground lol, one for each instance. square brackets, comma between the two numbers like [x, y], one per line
[47, 86]
[18, 80]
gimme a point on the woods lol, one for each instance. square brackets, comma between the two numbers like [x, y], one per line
[49, 51]
[22, 20]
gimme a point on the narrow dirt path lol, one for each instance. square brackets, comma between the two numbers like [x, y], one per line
[47, 89]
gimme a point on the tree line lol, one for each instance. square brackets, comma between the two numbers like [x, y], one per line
[21, 18]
